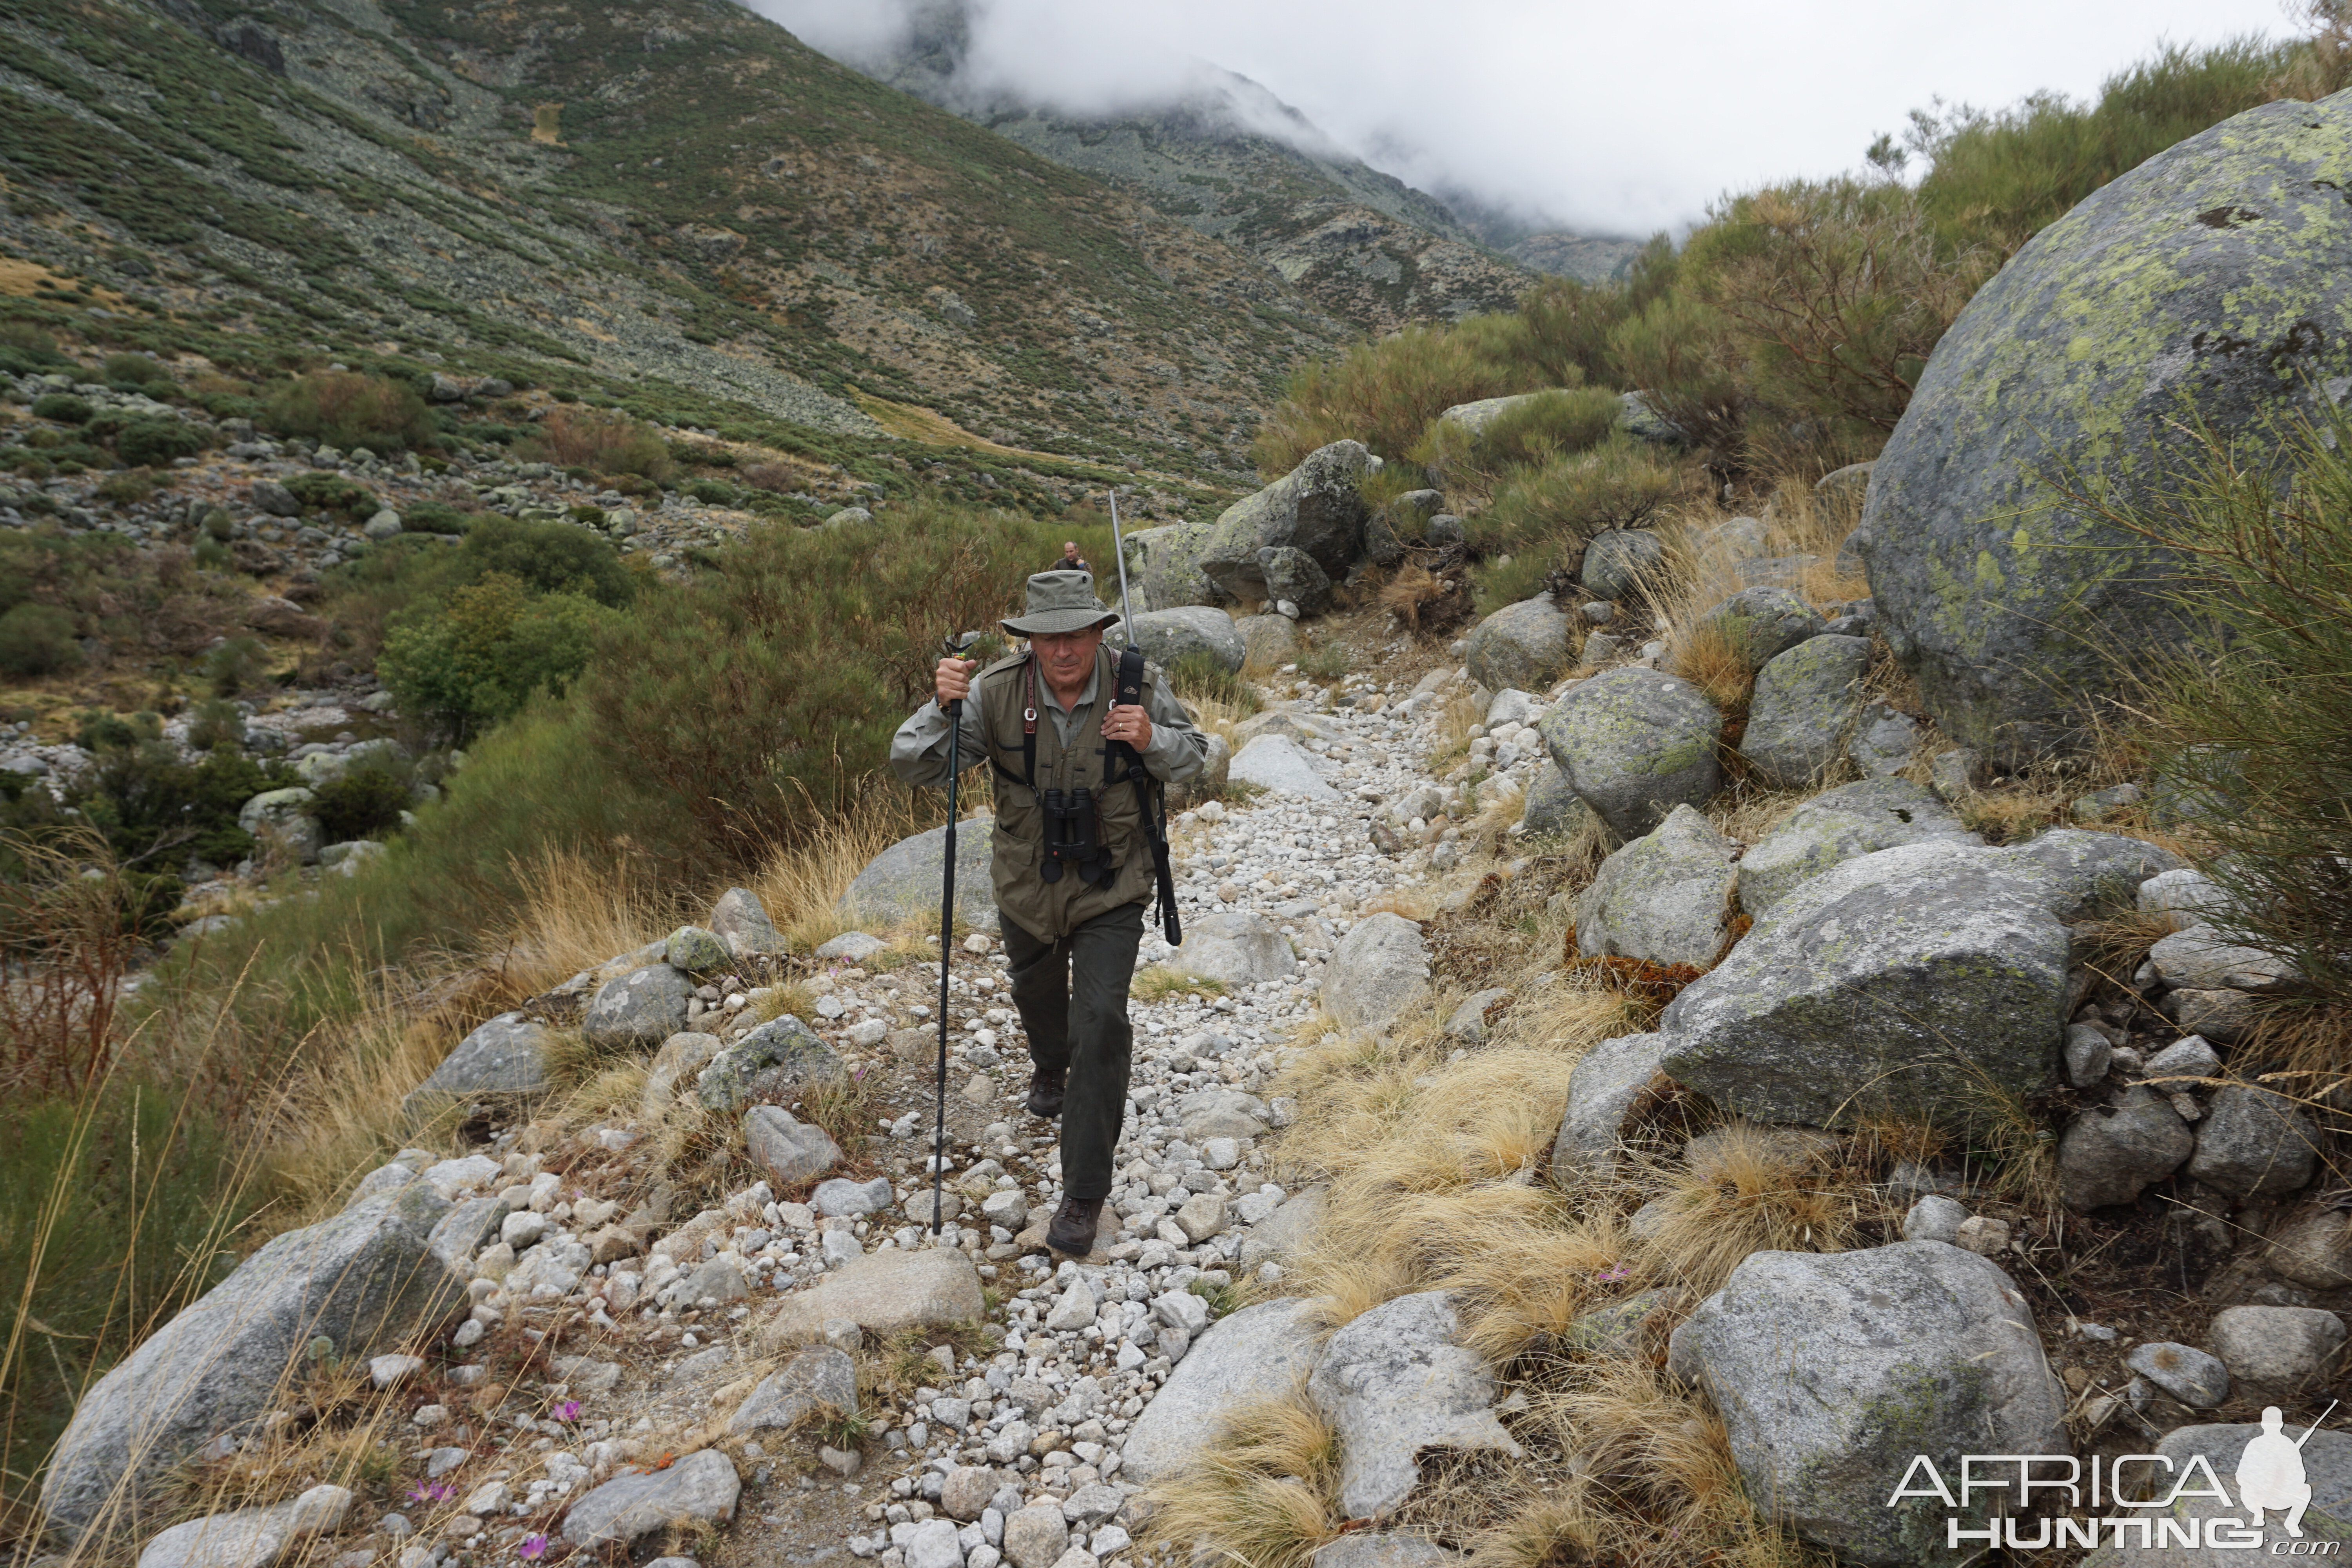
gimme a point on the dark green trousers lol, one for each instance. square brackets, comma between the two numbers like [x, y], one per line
[1072, 995]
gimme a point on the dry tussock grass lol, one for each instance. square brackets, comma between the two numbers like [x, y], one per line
[585, 912]
[799, 886]
[1750, 1189]
[1264, 1493]
[1461, 712]
[1703, 569]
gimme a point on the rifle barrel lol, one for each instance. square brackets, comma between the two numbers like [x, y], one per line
[1119, 549]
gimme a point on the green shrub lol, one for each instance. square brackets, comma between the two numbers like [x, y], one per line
[155, 442]
[332, 492]
[236, 665]
[1383, 394]
[37, 639]
[220, 524]
[435, 517]
[546, 557]
[1567, 500]
[135, 371]
[1684, 358]
[470, 661]
[2257, 712]
[605, 442]
[364, 803]
[1528, 435]
[210, 554]
[128, 487]
[346, 409]
[216, 721]
[62, 406]
[713, 492]
[30, 343]
[1201, 676]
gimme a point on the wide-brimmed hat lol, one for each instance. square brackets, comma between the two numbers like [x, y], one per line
[1061, 601]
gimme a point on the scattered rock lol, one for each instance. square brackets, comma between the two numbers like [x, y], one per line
[1609, 1081]
[1235, 1361]
[1393, 1383]
[1238, 948]
[1636, 743]
[250, 1537]
[505, 1056]
[2253, 1143]
[1275, 762]
[1524, 644]
[2313, 1248]
[818, 1376]
[1882, 741]
[1166, 636]
[882, 1293]
[789, 1151]
[2111, 1154]
[1663, 897]
[1618, 560]
[362, 1280]
[1838, 826]
[1760, 624]
[1552, 805]
[1803, 707]
[904, 879]
[1380, 970]
[777, 1062]
[701, 1487]
[741, 922]
[2189, 1374]
[2200, 959]
[1834, 1370]
[643, 1007]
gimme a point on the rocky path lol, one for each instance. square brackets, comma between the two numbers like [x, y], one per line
[625, 1370]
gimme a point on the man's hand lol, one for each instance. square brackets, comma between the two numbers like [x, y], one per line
[1128, 722]
[952, 681]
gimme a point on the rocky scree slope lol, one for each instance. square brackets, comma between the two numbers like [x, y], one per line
[1228, 158]
[681, 205]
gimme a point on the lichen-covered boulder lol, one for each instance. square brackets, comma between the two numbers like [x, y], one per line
[1636, 743]
[1803, 707]
[363, 1281]
[775, 1062]
[1763, 623]
[1552, 804]
[643, 1007]
[1166, 636]
[1926, 980]
[904, 879]
[505, 1056]
[1610, 1082]
[285, 815]
[1662, 896]
[1317, 508]
[696, 950]
[1833, 1371]
[2210, 286]
[1836, 826]
[1271, 641]
[1525, 646]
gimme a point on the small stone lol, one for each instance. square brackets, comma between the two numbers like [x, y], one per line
[2254, 1143]
[2189, 1058]
[2111, 1156]
[2088, 1052]
[1982, 1235]
[2190, 1375]
[1036, 1536]
[390, 1371]
[1935, 1218]
[2277, 1353]
[702, 1486]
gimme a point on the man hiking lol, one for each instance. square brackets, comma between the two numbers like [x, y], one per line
[1071, 560]
[1071, 857]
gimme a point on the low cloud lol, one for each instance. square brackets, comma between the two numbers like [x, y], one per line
[1609, 118]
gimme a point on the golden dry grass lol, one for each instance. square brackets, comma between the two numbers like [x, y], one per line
[1158, 982]
[1265, 1491]
[800, 885]
[584, 912]
[1753, 1189]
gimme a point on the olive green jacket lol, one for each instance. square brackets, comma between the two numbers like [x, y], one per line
[1069, 755]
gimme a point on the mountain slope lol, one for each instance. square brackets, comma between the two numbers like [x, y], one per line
[1230, 159]
[678, 205]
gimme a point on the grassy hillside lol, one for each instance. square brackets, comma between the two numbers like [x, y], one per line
[680, 208]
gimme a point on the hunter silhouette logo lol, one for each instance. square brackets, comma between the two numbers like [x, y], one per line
[2269, 1475]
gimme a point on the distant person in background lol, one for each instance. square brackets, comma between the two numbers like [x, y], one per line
[1071, 560]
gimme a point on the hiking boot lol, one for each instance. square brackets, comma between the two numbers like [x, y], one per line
[1072, 1231]
[1045, 1092]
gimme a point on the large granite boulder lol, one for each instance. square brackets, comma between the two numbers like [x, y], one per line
[1636, 743]
[1379, 969]
[1923, 981]
[505, 1057]
[1524, 645]
[1663, 897]
[1835, 1372]
[1315, 508]
[1804, 706]
[1258, 1352]
[286, 815]
[364, 1280]
[904, 881]
[1836, 826]
[1166, 636]
[2211, 286]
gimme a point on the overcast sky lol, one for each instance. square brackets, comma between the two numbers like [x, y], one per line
[1617, 118]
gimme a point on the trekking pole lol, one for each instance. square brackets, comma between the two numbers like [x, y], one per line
[955, 647]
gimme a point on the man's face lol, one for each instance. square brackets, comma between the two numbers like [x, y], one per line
[1066, 656]
[1070, 551]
